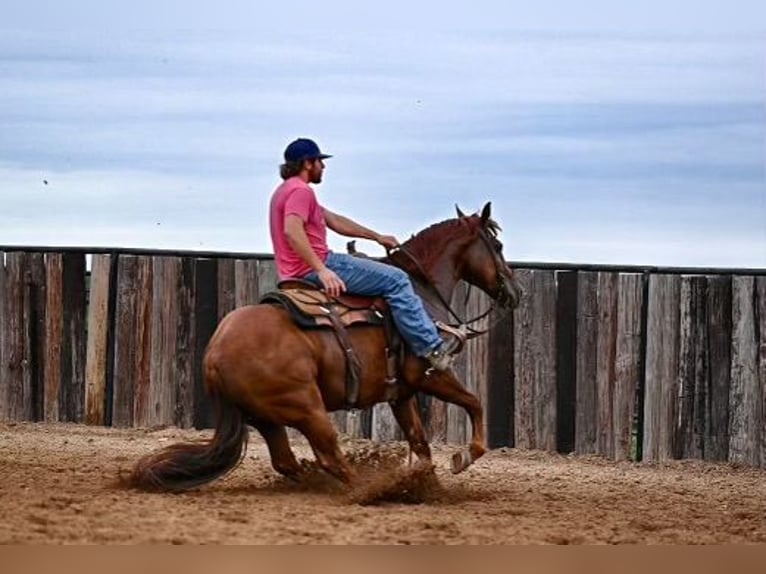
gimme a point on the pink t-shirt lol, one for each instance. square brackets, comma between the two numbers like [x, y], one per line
[295, 197]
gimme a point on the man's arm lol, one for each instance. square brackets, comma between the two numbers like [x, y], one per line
[350, 228]
[299, 241]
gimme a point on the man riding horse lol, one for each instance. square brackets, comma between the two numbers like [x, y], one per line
[299, 225]
[264, 370]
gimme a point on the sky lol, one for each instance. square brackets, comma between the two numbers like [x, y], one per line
[602, 132]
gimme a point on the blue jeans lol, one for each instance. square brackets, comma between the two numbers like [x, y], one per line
[375, 279]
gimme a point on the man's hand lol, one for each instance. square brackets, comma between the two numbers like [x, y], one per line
[387, 241]
[333, 285]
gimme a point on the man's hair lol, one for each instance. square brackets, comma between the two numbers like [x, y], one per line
[290, 169]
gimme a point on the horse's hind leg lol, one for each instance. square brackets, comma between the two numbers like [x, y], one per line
[282, 458]
[323, 438]
[408, 417]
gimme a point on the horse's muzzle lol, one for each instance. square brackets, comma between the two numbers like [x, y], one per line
[509, 293]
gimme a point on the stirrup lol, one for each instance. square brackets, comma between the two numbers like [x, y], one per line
[458, 333]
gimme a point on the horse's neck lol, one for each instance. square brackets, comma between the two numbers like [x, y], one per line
[441, 275]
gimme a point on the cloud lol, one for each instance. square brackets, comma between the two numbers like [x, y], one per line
[589, 145]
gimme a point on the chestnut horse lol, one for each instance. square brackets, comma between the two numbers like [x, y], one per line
[262, 370]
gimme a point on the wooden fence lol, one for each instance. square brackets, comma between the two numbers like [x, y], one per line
[631, 363]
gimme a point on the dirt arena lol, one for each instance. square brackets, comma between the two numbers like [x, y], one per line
[60, 485]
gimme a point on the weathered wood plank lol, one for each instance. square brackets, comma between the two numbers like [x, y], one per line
[206, 320]
[760, 288]
[15, 369]
[627, 359]
[436, 426]
[693, 365]
[745, 395]
[339, 420]
[605, 362]
[355, 421]
[523, 363]
[72, 388]
[586, 418]
[97, 340]
[132, 338]
[36, 329]
[566, 359]
[718, 386]
[185, 344]
[125, 341]
[384, 425]
[535, 361]
[661, 400]
[267, 276]
[3, 329]
[245, 282]
[226, 287]
[500, 380]
[54, 329]
[157, 406]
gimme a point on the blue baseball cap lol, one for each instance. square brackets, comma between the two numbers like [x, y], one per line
[303, 148]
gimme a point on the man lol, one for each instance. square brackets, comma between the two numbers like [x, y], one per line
[299, 225]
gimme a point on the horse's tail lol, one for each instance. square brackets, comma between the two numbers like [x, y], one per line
[188, 465]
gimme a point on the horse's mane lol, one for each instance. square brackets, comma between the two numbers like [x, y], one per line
[429, 243]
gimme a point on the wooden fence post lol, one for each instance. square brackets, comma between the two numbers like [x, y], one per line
[157, 405]
[246, 282]
[500, 380]
[693, 368]
[54, 328]
[267, 276]
[535, 361]
[745, 396]
[72, 403]
[132, 338]
[566, 359]
[586, 366]
[718, 324]
[477, 356]
[183, 415]
[661, 400]
[605, 362]
[3, 334]
[206, 307]
[226, 287]
[15, 375]
[760, 287]
[35, 324]
[627, 360]
[98, 340]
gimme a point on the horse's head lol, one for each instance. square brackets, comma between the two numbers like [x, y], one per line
[483, 263]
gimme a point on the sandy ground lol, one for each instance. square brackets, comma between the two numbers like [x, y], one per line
[60, 485]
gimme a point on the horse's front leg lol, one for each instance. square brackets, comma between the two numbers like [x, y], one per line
[444, 385]
[407, 415]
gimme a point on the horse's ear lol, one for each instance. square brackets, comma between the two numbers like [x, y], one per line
[485, 213]
[459, 212]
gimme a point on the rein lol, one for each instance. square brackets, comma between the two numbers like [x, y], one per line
[461, 323]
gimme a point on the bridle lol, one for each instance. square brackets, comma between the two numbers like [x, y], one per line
[463, 324]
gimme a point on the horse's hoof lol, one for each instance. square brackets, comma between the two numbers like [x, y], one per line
[460, 461]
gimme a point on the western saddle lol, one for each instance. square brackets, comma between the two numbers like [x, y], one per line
[311, 308]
